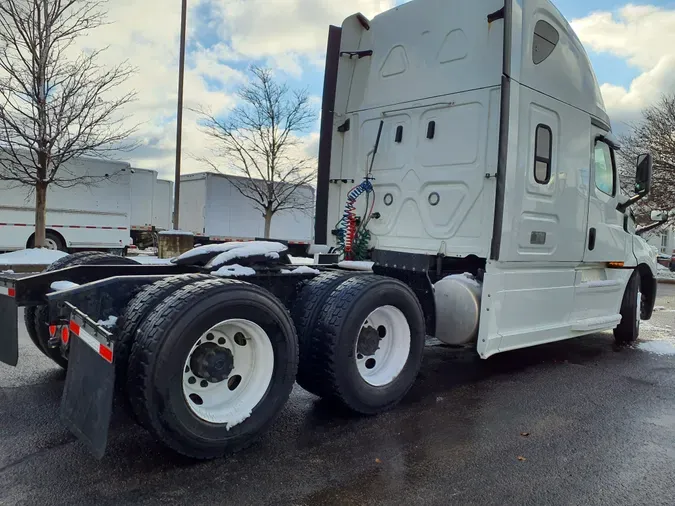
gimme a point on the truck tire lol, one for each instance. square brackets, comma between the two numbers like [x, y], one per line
[305, 312]
[366, 349]
[136, 312]
[41, 313]
[212, 367]
[29, 311]
[628, 330]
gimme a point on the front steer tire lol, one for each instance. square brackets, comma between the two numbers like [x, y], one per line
[330, 366]
[163, 344]
[628, 330]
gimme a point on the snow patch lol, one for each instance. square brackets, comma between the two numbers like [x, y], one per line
[37, 256]
[301, 260]
[657, 347]
[663, 272]
[236, 250]
[10, 271]
[286, 271]
[229, 271]
[175, 232]
[244, 249]
[305, 269]
[109, 323]
[244, 415]
[63, 285]
[352, 265]
[151, 260]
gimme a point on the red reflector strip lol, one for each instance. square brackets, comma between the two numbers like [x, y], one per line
[65, 335]
[74, 328]
[105, 352]
[52, 330]
[11, 292]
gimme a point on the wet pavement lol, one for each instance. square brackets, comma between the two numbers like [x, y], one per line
[577, 422]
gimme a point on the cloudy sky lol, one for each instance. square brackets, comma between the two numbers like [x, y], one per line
[632, 47]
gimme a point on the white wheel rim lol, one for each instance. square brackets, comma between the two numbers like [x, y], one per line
[232, 400]
[50, 244]
[381, 367]
[638, 312]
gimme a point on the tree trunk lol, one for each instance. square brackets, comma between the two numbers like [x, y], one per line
[268, 223]
[40, 214]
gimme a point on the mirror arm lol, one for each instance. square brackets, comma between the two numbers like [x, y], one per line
[622, 207]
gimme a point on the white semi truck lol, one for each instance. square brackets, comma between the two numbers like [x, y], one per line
[213, 209]
[468, 145]
[118, 206]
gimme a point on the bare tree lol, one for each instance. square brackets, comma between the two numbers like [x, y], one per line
[654, 133]
[54, 107]
[258, 142]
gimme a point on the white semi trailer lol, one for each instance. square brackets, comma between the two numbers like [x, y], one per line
[214, 210]
[467, 144]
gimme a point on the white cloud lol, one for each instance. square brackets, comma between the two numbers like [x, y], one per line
[283, 30]
[644, 36]
[286, 34]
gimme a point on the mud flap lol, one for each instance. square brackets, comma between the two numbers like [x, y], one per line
[86, 405]
[9, 327]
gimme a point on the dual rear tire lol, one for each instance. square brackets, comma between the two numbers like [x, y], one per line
[361, 340]
[207, 364]
[212, 366]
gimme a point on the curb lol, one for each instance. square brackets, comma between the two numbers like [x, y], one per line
[667, 281]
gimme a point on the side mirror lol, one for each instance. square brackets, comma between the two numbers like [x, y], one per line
[643, 174]
[659, 216]
[643, 181]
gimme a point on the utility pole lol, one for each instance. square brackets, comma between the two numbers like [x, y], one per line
[179, 118]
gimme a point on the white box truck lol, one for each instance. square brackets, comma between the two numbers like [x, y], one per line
[162, 205]
[151, 206]
[121, 207]
[95, 216]
[471, 141]
[214, 210]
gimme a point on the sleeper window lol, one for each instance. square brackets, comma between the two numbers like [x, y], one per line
[546, 39]
[604, 168]
[543, 146]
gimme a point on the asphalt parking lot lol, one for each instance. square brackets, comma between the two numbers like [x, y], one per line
[577, 422]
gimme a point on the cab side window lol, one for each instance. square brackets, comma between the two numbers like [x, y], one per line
[543, 153]
[605, 170]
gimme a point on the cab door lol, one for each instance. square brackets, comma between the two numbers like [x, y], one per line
[606, 238]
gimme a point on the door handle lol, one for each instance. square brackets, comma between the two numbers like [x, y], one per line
[591, 239]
